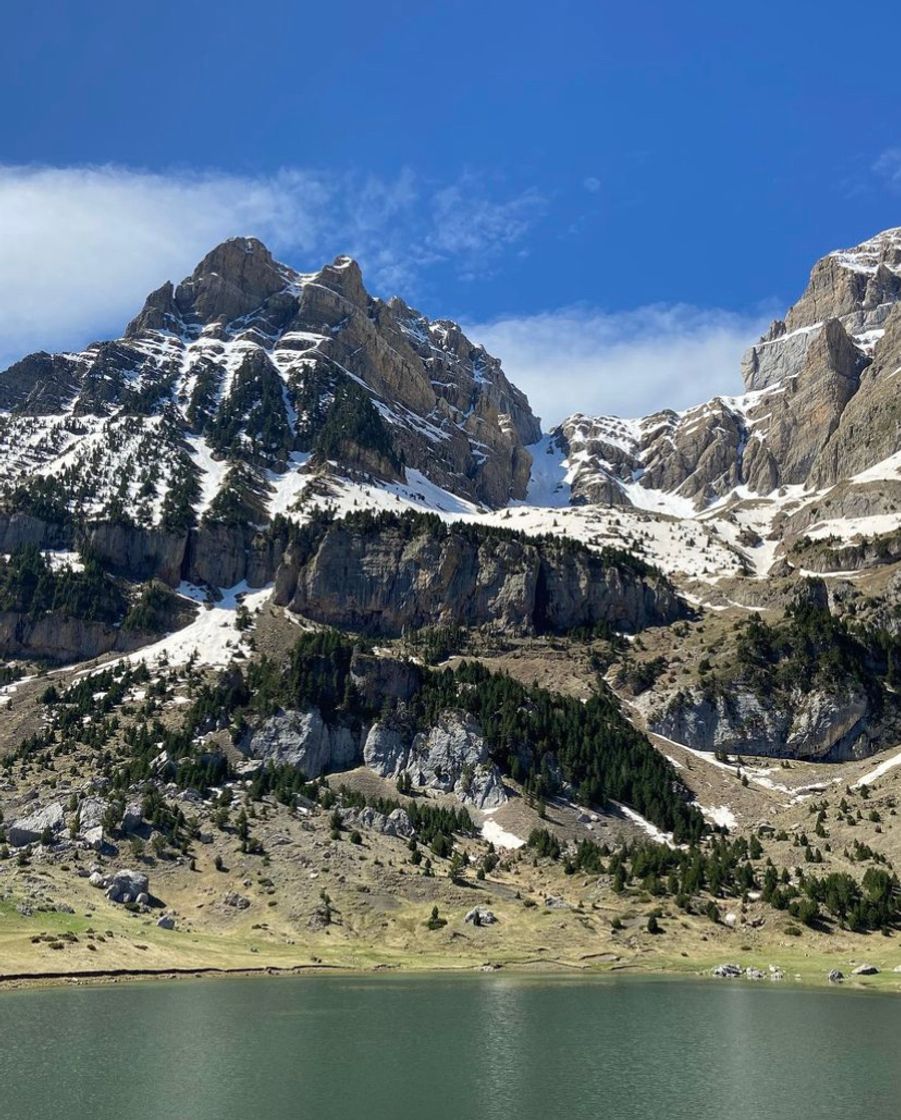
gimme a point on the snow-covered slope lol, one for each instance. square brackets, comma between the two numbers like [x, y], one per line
[230, 401]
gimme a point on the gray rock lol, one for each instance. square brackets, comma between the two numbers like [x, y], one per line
[96, 879]
[386, 749]
[90, 814]
[125, 886]
[132, 818]
[166, 922]
[93, 837]
[382, 582]
[728, 971]
[397, 823]
[453, 756]
[304, 740]
[30, 829]
[814, 725]
[836, 976]
[479, 916]
[235, 900]
[865, 970]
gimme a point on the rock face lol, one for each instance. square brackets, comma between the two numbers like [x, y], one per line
[304, 740]
[396, 823]
[31, 829]
[389, 576]
[57, 637]
[820, 405]
[815, 726]
[452, 756]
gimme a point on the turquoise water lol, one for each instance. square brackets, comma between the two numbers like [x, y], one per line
[495, 1046]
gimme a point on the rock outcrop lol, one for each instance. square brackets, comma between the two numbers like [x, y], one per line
[452, 756]
[386, 576]
[49, 820]
[815, 726]
[305, 741]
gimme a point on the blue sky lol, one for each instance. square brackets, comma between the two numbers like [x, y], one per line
[653, 179]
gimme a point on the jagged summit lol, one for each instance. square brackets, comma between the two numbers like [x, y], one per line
[247, 363]
[819, 407]
[883, 250]
[235, 279]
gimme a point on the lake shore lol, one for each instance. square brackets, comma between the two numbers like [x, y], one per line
[806, 973]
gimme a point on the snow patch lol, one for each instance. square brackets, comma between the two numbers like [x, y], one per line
[494, 834]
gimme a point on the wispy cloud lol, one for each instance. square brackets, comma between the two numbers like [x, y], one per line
[887, 167]
[628, 363]
[83, 246]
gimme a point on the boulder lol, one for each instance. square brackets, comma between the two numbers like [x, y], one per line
[133, 817]
[238, 901]
[90, 814]
[728, 971]
[166, 922]
[836, 976]
[30, 829]
[478, 916]
[93, 837]
[125, 885]
[865, 970]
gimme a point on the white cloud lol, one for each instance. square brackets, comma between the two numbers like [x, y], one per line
[592, 184]
[468, 221]
[81, 247]
[888, 167]
[627, 363]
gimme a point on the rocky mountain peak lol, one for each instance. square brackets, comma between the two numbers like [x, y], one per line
[262, 368]
[233, 280]
[819, 400]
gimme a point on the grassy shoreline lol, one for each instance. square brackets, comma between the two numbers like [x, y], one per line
[809, 974]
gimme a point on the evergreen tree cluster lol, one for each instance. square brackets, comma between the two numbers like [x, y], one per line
[29, 585]
[812, 648]
[353, 421]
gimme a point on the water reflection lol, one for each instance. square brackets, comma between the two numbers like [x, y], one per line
[493, 1046]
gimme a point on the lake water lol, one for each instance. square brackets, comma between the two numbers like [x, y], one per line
[436, 1047]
